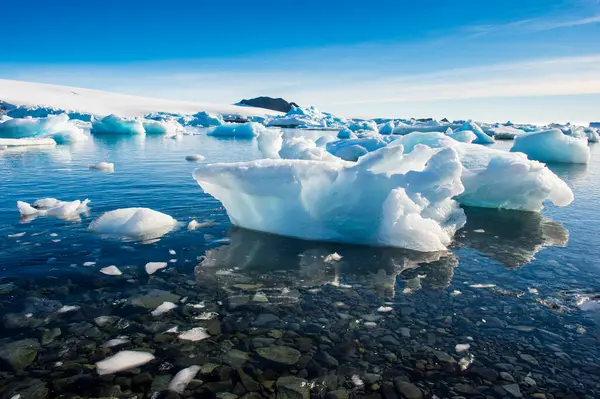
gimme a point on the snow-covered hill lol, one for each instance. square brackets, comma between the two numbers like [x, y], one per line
[103, 103]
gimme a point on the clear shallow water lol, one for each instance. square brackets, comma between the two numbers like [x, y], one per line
[509, 287]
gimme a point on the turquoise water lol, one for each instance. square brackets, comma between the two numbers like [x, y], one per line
[513, 284]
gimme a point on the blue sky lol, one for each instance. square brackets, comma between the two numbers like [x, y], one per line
[527, 60]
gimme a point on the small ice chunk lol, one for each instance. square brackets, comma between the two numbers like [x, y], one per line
[68, 308]
[111, 271]
[17, 235]
[153, 267]
[334, 257]
[482, 285]
[370, 324]
[260, 297]
[466, 361]
[116, 342]
[103, 166]
[455, 293]
[172, 252]
[183, 378]
[172, 330]
[206, 316]
[194, 158]
[533, 291]
[172, 260]
[163, 308]
[89, 264]
[142, 223]
[195, 334]
[479, 231]
[384, 309]
[193, 225]
[357, 381]
[462, 348]
[123, 360]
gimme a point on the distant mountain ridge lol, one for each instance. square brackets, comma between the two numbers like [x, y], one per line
[274, 104]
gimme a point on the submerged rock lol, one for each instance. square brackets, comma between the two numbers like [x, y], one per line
[279, 354]
[153, 299]
[19, 354]
[292, 388]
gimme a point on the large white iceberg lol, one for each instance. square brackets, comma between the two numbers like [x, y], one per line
[237, 130]
[299, 147]
[387, 128]
[408, 202]
[269, 142]
[310, 117]
[552, 146]
[133, 223]
[113, 124]
[57, 127]
[498, 179]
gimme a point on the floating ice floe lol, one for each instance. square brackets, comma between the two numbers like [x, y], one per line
[56, 127]
[311, 118]
[497, 179]
[153, 267]
[183, 378]
[463, 136]
[68, 308]
[552, 146]
[462, 348]
[482, 138]
[237, 130]
[195, 334]
[346, 134]
[123, 360]
[387, 128]
[133, 223]
[116, 125]
[194, 158]
[269, 142]
[504, 132]
[205, 119]
[409, 202]
[53, 208]
[103, 166]
[163, 308]
[111, 271]
[363, 126]
[303, 148]
[168, 127]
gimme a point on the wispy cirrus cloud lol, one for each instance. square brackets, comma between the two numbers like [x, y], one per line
[532, 25]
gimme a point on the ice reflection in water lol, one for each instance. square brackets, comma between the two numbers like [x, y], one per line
[278, 262]
[512, 238]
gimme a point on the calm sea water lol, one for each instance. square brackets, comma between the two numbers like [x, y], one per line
[518, 287]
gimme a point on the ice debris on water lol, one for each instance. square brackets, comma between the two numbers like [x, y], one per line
[123, 360]
[172, 252]
[17, 235]
[134, 223]
[53, 207]
[466, 361]
[57, 128]
[163, 308]
[68, 308]
[183, 378]
[153, 267]
[462, 347]
[384, 309]
[116, 342]
[111, 271]
[194, 158]
[357, 381]
[193, 225]
[103, 166]
[195, 334]
[331, 258]
[482, 285]
[89, 264]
